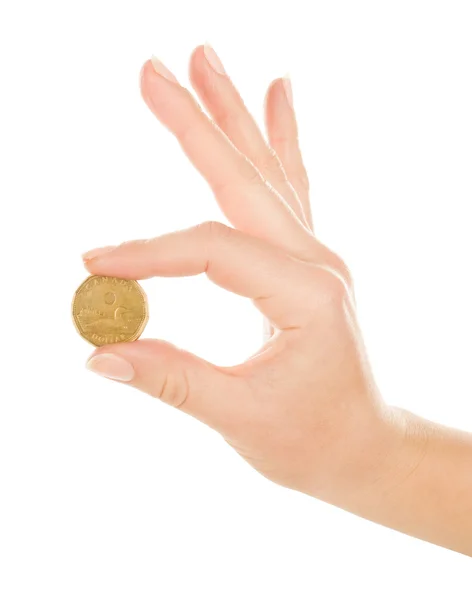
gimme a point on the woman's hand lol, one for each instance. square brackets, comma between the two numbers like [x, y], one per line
[305, 411]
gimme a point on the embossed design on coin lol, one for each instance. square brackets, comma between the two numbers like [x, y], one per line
[109, 298]
[107, 310]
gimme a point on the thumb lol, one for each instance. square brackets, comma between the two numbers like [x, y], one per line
[209, 393]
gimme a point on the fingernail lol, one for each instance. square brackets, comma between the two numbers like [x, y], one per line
[161, 69]
[288, 89]
[212, 58]
[96, 252]
[111, 366]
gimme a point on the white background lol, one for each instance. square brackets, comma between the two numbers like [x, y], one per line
[108, 494]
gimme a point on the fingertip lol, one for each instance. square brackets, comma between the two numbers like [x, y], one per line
[197, 54]
[144, 82]
[154, 74]
[273, 83]
[269, 98]
[111, 366]
[196, 65]
[272, 90]
[287, 84]
[143, 70]
[276, 87]
[146, 70]
[96, 252]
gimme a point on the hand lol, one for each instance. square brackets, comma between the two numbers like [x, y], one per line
[305, 411]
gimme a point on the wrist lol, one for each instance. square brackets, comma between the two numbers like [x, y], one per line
[378, 457]
[409, 441]
[423, 485]
[393, 452]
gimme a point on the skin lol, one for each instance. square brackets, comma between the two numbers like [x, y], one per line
[305, 411]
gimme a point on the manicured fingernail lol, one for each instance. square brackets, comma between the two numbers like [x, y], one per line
[288, 90]
[111, 366]
[96, 252]
[212, 58]
[161, 69]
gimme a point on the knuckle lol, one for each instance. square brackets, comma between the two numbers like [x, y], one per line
[318, 253]
[271, 167]
[341, 267]
[242, 174]
[213, 236]
[187, 133]
[337, 290]
[280, 139]
[249, 173]
[174, 389]
[214, 230]
[229, 121]
[331, 288]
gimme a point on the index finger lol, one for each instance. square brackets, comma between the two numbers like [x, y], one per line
[280, 285]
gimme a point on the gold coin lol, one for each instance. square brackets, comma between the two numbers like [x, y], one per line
[107, 310]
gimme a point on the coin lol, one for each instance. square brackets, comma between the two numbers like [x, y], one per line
[107, 310]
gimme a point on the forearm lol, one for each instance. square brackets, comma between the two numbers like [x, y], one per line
[425, 489]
